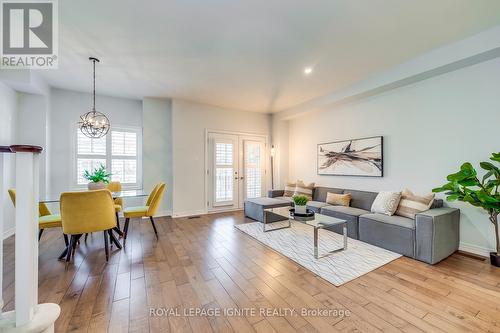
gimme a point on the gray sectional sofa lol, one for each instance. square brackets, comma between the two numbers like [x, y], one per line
[432, 236]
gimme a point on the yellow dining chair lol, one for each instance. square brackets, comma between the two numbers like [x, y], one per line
[46, 219]
[116, 187]
[86, 212]
[148, 210]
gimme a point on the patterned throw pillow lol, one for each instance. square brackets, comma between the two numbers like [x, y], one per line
[338, 199]
[290, 189]
[412, 204]
[386, 202]
[303, 189]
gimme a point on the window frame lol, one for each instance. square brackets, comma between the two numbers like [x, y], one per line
[109, 156]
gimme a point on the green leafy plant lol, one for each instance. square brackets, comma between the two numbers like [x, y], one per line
[300, 200]
[99, 174]
[465, 186]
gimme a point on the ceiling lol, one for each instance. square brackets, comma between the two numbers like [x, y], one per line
[250, 54]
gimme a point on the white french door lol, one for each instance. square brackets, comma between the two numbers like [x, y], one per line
[236, 170]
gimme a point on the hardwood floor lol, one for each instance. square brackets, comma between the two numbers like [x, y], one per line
[206, 264]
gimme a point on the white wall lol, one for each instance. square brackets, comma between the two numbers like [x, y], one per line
[189, 122]
[429, 129]
[32, 130]
[157, 148]
[280, 141]
[66, 107]
[8, 136]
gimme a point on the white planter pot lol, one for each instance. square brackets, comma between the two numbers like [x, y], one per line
[96, 186]
[300, 209]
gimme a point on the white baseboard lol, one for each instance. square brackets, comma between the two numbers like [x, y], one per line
[9, 232]
[204, 212]
[189, 213]
[164, 213]
[475, 249]
[223, 210]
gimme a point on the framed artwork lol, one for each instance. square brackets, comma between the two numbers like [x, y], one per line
[356, 157]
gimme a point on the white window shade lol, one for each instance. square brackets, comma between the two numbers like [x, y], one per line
[253, 169]
[123, 143]
[88, 146]
[124, 171]
[224, 169]
[223, 153]
[119, 151]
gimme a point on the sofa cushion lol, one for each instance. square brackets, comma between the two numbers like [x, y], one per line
[386, 202]
[394, 219]
[320, 193]
[362, 199]
[344, 210]
[349, 214]
[338, 199]
[390, 236]
[411, 204]
[316, 205]
[289, 189]
[254, 208]
[304, 189]
[267, 202]
[284, 198]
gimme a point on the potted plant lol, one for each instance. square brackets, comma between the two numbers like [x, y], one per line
[98, 178]
[300, 202]
[465, 186]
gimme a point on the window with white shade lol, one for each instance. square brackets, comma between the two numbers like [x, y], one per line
[224, 168]
[119, 151]
[253, 169]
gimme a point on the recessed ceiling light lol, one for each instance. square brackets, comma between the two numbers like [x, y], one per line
[308, 70]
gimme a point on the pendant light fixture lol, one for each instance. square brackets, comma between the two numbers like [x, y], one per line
[94, 124]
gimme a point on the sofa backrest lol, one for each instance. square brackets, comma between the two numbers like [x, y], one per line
[362, 199]
[319, 193]
[359, 199]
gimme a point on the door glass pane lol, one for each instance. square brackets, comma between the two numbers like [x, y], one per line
[224, 159]
[223, 153]
[253, 169]
[223, 184]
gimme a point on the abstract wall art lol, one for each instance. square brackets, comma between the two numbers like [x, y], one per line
[356, 157]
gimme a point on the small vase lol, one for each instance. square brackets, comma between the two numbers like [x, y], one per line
[96, 186]
[300, 209]
[495, 259]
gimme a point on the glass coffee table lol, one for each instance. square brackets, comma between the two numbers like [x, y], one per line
[319, 221]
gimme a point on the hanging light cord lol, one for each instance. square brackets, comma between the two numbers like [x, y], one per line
[93, 92]
[94, 60]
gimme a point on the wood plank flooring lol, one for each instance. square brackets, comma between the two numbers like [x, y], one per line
[205, 264]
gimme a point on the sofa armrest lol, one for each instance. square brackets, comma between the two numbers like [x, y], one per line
[275, 193]
[436, 234]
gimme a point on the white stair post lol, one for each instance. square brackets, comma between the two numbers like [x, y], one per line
[26, 236]
[2, 189]
[28, 316]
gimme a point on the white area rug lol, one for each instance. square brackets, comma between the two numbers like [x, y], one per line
[297, 244]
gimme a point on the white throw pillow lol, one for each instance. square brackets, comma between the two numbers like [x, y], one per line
[386, 202]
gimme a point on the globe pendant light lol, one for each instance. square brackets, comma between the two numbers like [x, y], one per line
[94, 124]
